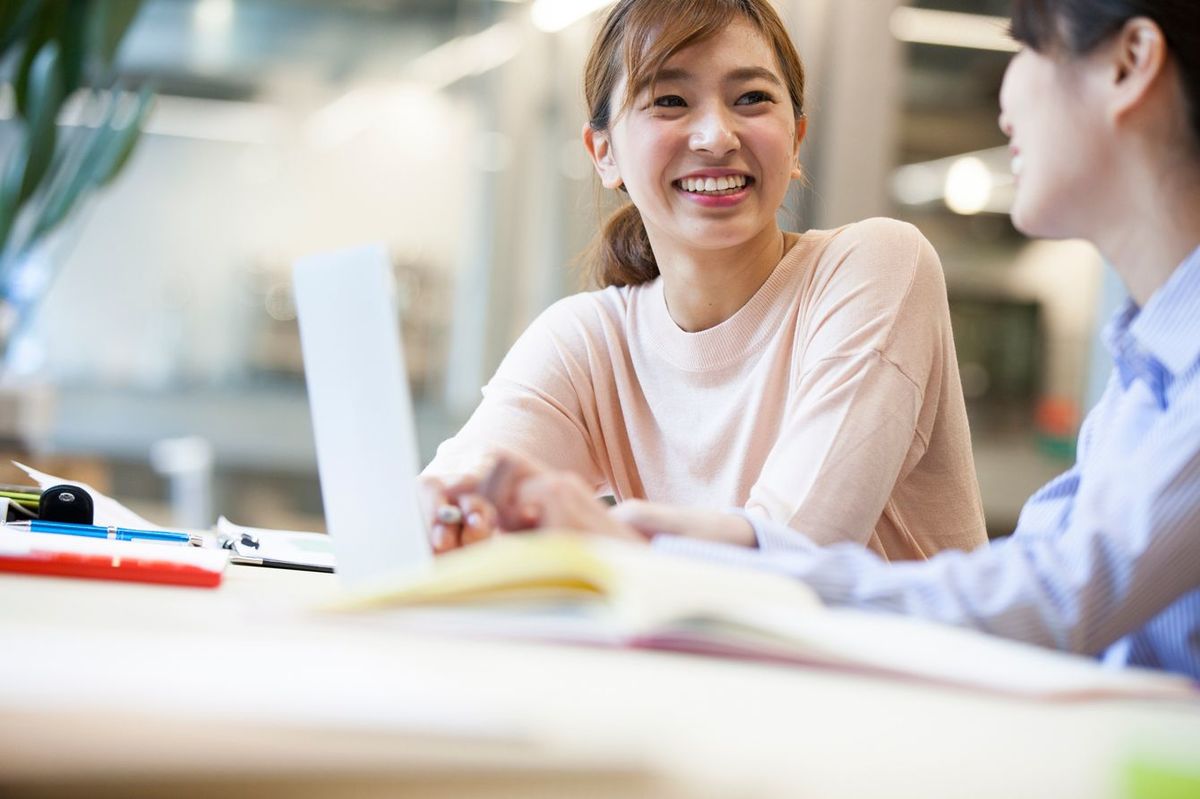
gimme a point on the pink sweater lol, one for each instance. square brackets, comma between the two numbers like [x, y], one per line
[830, 401]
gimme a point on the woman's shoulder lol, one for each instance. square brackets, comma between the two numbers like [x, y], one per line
[878, 233]
[565, 332]
[585, 320]
[592, 307]
[877, 246]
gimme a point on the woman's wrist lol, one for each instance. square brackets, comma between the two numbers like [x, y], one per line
[653, 518]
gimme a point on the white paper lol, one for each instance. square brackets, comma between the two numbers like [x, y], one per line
[24, 543]
[293, 546]
[107, 512]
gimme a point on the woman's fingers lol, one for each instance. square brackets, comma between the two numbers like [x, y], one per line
[502, 487]
[564, 500]
[442, 511]
[454, 486]
[445, 537]
[479, 519]
[518, 493]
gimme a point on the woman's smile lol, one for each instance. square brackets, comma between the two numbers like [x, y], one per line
[707, 149]
[715, 189]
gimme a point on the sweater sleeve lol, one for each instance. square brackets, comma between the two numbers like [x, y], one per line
[534, 404]
[871, 344]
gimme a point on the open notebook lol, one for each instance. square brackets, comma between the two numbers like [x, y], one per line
[570, 588]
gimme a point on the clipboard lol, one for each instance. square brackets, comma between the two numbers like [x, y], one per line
[277, 549]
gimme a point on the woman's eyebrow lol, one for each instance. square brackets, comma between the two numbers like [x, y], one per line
[739, 75]
[745, 74]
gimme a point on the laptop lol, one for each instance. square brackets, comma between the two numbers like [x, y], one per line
[362, 414]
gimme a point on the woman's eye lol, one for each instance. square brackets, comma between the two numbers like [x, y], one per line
[753, 98]
[669, 101]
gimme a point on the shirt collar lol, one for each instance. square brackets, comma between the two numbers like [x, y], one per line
[1168, 328]
[1161, 341]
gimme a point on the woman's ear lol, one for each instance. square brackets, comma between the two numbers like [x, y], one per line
[1139, 54]
[801, 130]
[600, 149]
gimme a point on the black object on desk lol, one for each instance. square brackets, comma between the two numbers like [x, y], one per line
[245, 560]
[66, 503]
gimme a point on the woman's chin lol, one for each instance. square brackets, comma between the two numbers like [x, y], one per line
[721, 236]
[1041, 217]
[1030, 222]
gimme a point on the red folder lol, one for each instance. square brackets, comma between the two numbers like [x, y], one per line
[109, 567]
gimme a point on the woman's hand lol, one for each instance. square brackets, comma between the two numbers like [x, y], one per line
[458, 514]
[651, 518]
[527, 495]
[517, 493]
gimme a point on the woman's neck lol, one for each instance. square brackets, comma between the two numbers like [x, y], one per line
[1155, 228]
[703, 288]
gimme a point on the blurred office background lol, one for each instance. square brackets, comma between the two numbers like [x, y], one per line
[163, 363]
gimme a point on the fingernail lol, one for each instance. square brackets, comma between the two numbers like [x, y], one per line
[474, 520]
[448, 514]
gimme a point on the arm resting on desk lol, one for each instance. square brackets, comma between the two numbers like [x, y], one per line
[1101, 578]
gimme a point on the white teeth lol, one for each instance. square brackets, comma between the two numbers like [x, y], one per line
[713, 184]
[1017, 163]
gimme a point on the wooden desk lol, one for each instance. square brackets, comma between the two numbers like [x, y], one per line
[123, 690]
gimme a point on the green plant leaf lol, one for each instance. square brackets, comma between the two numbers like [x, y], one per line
[43, 28]
[91, 164]
[10, 186]
[15, 20]
[60, 46]
[41, 128]
[111, 20]
[72, 38]
[125, 139]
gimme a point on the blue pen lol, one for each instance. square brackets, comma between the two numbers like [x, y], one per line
[111, 533]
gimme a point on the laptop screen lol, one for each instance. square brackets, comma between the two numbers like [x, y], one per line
[362, 413]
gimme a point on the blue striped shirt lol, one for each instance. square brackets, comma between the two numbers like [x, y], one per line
[1105, 559]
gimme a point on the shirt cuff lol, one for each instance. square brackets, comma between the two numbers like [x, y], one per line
[706, 550]
[772, 535]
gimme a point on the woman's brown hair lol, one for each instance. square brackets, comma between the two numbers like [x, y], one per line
[638, 37]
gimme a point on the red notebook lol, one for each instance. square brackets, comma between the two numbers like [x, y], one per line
[67, 556]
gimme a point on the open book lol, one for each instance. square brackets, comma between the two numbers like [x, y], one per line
[570, 588]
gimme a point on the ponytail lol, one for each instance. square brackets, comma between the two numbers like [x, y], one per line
[622, 251]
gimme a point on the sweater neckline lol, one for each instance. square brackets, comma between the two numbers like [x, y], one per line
[736, 337]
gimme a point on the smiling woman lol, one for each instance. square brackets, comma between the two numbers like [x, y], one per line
[1101, 108]
[809, 378]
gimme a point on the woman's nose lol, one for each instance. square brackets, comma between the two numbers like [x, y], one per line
[714, 134]
[1007, 90]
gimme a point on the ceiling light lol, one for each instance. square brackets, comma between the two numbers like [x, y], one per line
[952, 29]
[213, 16]
[466, 55]
[554, 15]
[968, 186]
